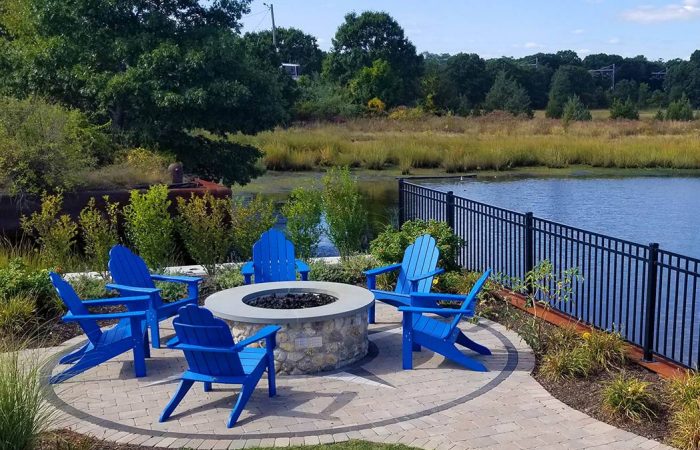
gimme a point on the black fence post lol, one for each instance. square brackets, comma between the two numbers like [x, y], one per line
[450, 210]
[529, 251]
[402, 205]
[650, 318]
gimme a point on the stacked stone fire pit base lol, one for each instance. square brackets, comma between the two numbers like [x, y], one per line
[312, 339]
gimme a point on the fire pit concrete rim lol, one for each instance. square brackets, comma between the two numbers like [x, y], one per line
[228, 304]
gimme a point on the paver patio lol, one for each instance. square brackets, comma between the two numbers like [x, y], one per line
[438, 405]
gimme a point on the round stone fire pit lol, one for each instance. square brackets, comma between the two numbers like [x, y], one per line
[313, 338]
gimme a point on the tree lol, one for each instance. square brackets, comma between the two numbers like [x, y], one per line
[463, 83]
[293, 46]
[507, 95]
[683, 78]
[535, 80]
[566, 82]
[574, 109]
[370, 36]
[680, 109]
[377, 81]
[624, 110]
[155, 71]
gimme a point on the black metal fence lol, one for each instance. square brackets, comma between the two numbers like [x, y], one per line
[647, 294]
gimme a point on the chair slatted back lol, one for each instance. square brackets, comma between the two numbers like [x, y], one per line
[273, 258]
[197, 326]
[129, 269]
[420, 257]
[68, 295]
[471, 297]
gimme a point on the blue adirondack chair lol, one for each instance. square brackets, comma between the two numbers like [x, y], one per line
[416, 273]
[128, 334]
[213, 357]
[439, 336]
[131, 277]
[274, 260]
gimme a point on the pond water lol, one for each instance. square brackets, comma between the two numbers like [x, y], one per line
[640, 209]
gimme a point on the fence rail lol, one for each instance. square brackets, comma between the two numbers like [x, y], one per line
[646, 293]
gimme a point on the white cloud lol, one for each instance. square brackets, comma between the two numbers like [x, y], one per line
[579, 31]
[532, 45]
[688, 9]
[614, 40]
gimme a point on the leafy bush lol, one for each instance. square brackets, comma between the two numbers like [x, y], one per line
[348, 270]
[100, 233]
[685, 426]
[170, 292]
[17, 315]
[460, 282]
[575, 110]
[346, 216]
[303, 212]
[508, 95]
[24, 413]
[138, 166]
[606, 350]
[46, 146]
[405, 113]
[391, 243]
[88, 287]
[150, 227]
[680, 109]
[628, 397]
[376, 107]
[624, 110]
[227, 278]
[565, 363]
[205, 226]
[18, 281]
[55, 232]
[249, 221]
[323, 100]
[684, 390]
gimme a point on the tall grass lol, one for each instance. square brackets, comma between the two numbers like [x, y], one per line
[493, 142]
[23, 412]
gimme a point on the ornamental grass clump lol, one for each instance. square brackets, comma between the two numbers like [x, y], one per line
[629, 397]
[24, 414]
[606, 350]
[565, 363]
[684, 394]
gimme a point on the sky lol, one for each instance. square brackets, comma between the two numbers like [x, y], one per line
[658, 29]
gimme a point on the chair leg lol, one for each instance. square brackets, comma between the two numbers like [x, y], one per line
[464, 341]
[155, 332]
[185, 386]
[271, 383]
[463, 360]
[246, 391]
[76, 369]
[416, 347]
[139, 359]
[146, 345]
[75, 356]
[207, 386]
[370, 314]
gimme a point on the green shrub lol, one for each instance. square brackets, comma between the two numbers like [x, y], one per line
[624, 110]
[17, 316]
[606, 350]
[89, 287]
[575, 110]
[249, 221]
[564, 338]
[680, 109]
[685, 426]
[628, 397]
[170, 292]
[684, 390]
[16, 280]
[323, 100]
[46, 146]
[150, 227]
[100, 233]
[303, 212]
[55, 232]
[565, 363]
[348, 270]
[346, 215]
[24, 413]
[390, 245]
[205, 227]
[227, 278]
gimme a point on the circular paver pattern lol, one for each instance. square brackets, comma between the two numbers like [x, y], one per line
[436, 405]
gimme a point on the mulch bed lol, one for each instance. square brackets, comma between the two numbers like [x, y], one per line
[291, 301]
[70, 440]
[586, 394]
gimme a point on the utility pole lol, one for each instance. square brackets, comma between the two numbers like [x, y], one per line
[271, 7]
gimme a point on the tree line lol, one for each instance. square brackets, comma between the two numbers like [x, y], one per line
[179, 75]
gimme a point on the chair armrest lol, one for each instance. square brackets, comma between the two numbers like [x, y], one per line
[438, 296]
[381, 270]
[441, 311]
[248, 268]
[301, 265]
[116, 301]
[423, 276]
[264, 333]
[176, 279]
[121, 287]
[106, 316]
[202, 348]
